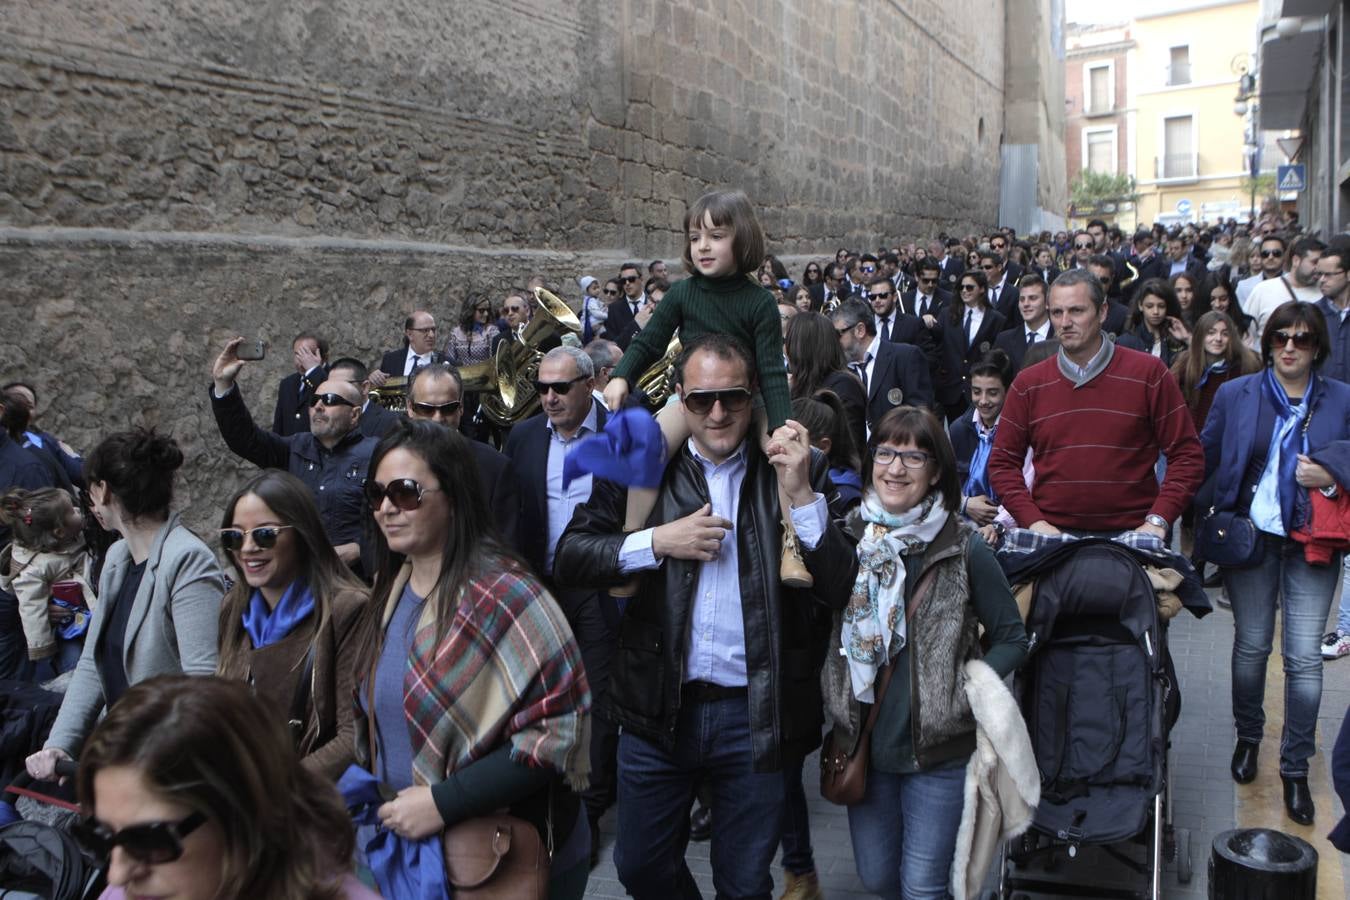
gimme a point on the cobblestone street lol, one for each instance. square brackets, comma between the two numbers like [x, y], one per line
[1206, 800]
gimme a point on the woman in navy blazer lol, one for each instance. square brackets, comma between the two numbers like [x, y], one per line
[956, 354]
[1264, 455]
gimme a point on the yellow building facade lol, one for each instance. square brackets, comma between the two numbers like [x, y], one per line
[1187, 144]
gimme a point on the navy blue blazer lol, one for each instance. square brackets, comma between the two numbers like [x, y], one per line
[1013, 341]
[899, 378]
[1229, 438]
[953, 375]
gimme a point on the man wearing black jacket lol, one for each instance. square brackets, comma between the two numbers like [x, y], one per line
[717, 671]
[309, 352]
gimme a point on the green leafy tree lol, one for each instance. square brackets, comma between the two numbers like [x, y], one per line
[1093, 189]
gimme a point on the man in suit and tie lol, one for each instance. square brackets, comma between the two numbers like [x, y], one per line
[309, 352]
[537, 448]
[953, 265]
[419, 349]
[893, 374]
[892, 325]
[623, 310]
[832, 290]
[999, 244]
[927, 300]
[1002, 287]
[1034, 318]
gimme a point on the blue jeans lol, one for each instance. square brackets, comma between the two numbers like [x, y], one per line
[904, 832]
[1343, 614]
[797, 856]
[1304, 594]
[656, 787]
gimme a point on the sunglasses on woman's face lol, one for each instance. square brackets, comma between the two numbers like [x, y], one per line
[1303, 340]
[153, 842]
[610, 292]
[265, 538]
[404, 493]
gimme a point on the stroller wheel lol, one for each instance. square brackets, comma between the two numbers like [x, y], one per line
[1184, 869]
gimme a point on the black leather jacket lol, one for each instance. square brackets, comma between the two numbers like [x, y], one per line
[785, 629]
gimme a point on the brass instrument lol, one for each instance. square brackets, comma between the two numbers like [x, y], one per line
[392, 395]
[516, 365]
[658, 382]
[1134, 276]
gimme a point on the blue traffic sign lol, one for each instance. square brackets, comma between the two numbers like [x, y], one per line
[1291, 178]
[1184, 207]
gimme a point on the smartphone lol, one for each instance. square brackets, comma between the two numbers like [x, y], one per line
[251, 349]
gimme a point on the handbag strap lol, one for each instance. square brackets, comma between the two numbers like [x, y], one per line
[303, 691]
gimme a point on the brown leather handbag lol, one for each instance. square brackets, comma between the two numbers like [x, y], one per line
[843, 778]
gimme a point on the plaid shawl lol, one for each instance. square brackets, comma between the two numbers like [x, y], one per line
[508, 670]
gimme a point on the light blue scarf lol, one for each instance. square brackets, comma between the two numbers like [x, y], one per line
[1272, 508]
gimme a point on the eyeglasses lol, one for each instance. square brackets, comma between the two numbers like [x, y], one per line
[1083, 246]
[265, 538]
[561, 388]
[404, 493]
[1303, 340]
[910, 459]
[927, 280]
[700, 403]
[330, 400]
[430, 409]
[867, 270]
[1271, 254]
[882, 296]
[812, 270]
[969, 288]
[610, 293]
[846, 329]
[515, 310]
[629, 279]
[153, 842]
[999, 246]
[430, 329]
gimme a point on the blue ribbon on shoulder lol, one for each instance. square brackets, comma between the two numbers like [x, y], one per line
[630, 451]
[408, 870]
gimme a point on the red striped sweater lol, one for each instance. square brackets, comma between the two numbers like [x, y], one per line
[1095, 446]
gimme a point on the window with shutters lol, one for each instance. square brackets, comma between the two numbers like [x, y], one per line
[1101, 151]
[1101, 89]
[1179, 65]
[1178, 159]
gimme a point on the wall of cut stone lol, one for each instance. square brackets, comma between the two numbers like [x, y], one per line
[174, 172]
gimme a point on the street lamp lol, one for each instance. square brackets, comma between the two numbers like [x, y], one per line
[1246, 104]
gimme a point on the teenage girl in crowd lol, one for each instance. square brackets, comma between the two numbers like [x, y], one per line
[724, 247]
[1156, 324]
[826, 423]
[49, 569]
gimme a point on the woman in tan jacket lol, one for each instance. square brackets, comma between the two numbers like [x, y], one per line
[289, 623]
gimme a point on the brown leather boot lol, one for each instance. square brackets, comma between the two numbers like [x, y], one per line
[801, 887]
[792, 571]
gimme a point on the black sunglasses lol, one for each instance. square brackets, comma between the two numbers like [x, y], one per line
[1083, 246]
[629, 279]
[610, 293]
[265, 537]
[1304, 340]
[404, 493]
[330, 400]
[1271, 254]
[700, 403]
[923, 280]
[431, 409]
[881, 296]
[153, 843]
[561, 388]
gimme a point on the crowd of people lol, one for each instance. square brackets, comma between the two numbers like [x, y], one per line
[848, 458]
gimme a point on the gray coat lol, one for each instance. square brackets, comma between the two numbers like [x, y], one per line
[172, 629]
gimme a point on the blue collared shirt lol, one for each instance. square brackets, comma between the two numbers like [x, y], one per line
[715, 651]
[562, 502]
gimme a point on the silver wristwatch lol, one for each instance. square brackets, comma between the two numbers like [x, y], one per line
[1155, 519]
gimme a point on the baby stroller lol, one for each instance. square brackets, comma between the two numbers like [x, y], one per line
[38, 856]
[1099, 696]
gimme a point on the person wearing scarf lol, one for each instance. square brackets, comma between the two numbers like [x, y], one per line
[1270, 438]
[925, 584]
[973, 434]
[289, 624]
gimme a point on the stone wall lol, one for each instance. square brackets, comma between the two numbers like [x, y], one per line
[174, 172]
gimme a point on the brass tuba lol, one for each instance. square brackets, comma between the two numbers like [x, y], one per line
[517, 362]
[658, 382]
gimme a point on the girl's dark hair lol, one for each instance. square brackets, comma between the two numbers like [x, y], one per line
[730, 209]
[472, 301]
[37, 517]
[320, 567]
[807, 280]
[917, 426]
[1191, 364]
[776, 266]
[994, 364]
[16, 416]
[471, 543]
[1287, 315]
[958, 309]
[823, 415]
[214, 746]
[138, 468]
[1154, 287]
[813, 350]
[1199, 297]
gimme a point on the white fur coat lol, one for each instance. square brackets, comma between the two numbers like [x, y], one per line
[1003, 784]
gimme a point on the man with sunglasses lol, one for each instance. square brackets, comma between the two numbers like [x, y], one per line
[1002, 291]
[999, 244]
[717, 669]
[419, 349]
[1299, 283]
[1271, 254]
[537, 448]
[1082, 247]
[331, 458]
[625, 308]
[927, 299]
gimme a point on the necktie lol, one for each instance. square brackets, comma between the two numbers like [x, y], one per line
[861, 369]
[966, 330]
[923, 305]
[993, 297]
[1031, 338]
[634, 304]
[885, 329]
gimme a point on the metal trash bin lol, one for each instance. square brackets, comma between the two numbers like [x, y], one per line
[1262, 864]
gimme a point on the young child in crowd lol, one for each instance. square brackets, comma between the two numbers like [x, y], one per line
[594, 311]
[724, 247]
[48, 569]
[825, 421]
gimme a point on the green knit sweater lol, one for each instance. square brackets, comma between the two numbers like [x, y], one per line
[732, 305]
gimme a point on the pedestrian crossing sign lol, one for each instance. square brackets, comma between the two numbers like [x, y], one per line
[1290, 178]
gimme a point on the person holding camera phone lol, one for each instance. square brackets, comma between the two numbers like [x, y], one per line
[331, 458]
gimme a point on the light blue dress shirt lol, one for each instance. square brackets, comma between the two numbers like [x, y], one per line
[715, 649]
[563, 501]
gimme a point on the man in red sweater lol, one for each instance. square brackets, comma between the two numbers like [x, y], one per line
[1096, 417]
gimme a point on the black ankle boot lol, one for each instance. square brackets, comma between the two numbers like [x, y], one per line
[1244, 761]
[1298, 801]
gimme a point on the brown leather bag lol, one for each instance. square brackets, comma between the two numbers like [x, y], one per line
[492, 857]
[843, 778]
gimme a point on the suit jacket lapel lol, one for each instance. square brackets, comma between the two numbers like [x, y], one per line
[882, 357]
[140, 607]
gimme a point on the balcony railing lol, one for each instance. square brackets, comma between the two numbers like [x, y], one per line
[1175, 165]
[1179, 73]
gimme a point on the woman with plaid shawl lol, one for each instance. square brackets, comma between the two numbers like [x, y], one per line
[472, 694]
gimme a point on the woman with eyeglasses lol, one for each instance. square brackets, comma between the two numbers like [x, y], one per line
[159, 592]
[1155, 325]
[470, 684]
[1277, 446]
[812, 274]
[966, 332]
[908, 655]
[289, 626]
[191, 789]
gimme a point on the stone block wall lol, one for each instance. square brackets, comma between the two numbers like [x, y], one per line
[174, 172]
